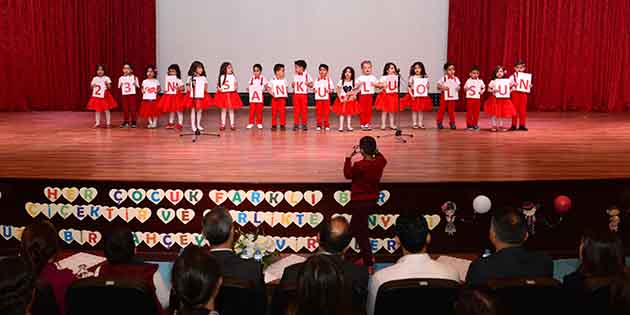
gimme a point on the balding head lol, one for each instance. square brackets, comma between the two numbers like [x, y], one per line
[334, 235]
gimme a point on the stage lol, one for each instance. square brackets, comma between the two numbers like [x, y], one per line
[581, 155]
[557, 146]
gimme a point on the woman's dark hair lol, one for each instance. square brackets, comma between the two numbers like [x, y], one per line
[447, 65]
[128, 64]
[193, 68]
[475, 68]
[119, 246]
[412, 72]
[602, 254]
[152, 67]
[257, 65]
[195, 277]
[387, 65]
[39, 244]
[323, 65]
[300, 63]
[368, 145]
[277, 67]
[343, 74]
[495, 71]
[101, 66]
[475, 302]
[17, 282]
[175, 67]
[223, 72]
[320, 289]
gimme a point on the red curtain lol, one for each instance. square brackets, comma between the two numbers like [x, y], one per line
[49, 49]
[578, 51]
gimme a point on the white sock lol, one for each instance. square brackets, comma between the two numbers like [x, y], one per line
[383, 119]
[414, 118]
[500, 122]
[391, 119]
[108, 117]
[493, 122]
[193, 119]
[223, 116]
[232, 122]
[199, 113]
[98, 118]
[180, 117]
[349, 121]
[171, 118]
[341, 121]
[420, 118]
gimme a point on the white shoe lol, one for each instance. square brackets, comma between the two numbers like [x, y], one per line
[250, 126]
[319, 128]
[200, 128]
[194, 129]
[350, 128]
[259, 126]
[327, 129]
[340, 129]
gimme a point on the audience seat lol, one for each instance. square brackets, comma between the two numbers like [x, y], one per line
[44, 302]
[237, 297]
[417, 296]
[281, 296]
[530, 296]
[97, 296]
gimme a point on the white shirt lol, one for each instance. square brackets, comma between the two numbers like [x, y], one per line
[260, 81]
[201, 84]
[102, 81]
[343, 86]
[128, 84]
[367, 84]
[408, 267]
[301, 82]
[150, 88]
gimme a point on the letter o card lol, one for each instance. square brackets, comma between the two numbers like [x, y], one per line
[420, 87]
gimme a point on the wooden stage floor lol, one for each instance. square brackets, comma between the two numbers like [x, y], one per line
[61, 145]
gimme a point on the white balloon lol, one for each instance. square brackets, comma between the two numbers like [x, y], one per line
[482, 204]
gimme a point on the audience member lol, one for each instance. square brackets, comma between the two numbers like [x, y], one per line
[219, 231]
[601, 255]
[122, 262]
[334, 240]
[320, 288]
[196, 279]
[620, 296]
[17, 286]
[412, 233]
[475, 302]
[508, 232]
[40, 246]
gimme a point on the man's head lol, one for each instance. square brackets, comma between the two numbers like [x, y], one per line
[119, 246]
[508, 228]
[412, 232]
[334, 235]
[367, 145]
[217, 227]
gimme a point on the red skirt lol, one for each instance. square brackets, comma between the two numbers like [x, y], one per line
[499, 107]
[102, 104]
[171, 103]
[417, 104]
[387, 102]
[150, 109]
[201, 103]
[228, 100]
[348, 108]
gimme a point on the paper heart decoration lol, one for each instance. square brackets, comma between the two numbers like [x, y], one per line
[342, 197]
[77, 236]
[62, 234]
[387, 247]
[269, 219]
[17, 232]
[151, 238]
[255, 217]
[432, 220]
[313, 197]
[383, 197]
[49, 210]
[174, 195]
[167, 240]
[183, 239]
[255, 197]
[94, 214]
[376, 244]
[300, 218]
[118, 195]
[198, 239]
[65, 210]
[310, 243]
[155, 195]
[240, 217]
[286, 218]
[185, 215]
[80, 212]
[274, 198]
[218, 196]
[345, 215]
[143, 214]
[127, 214]
[293, 197]
[193, 196]
[137, 238]
[52, 193]
[7, 231]
[88, 193]
[281, 243]
[208, 210]
[70, 193]
[33, 209]
[110, 213]
[294, 244]
[166, 215]
[136, 195]
[353, 245]
[237, 196]
[93, 237]
[386, 221]
[315, 219]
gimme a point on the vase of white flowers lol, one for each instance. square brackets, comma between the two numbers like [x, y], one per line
[255, 246]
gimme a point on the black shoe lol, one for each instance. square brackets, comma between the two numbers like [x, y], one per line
[522, 128]
[304, 128]
[513, 128]
[133, 125]
[296, 127]
[273, 128]
[453, 126]
[124, 125]
[440, 126]
[283, 128]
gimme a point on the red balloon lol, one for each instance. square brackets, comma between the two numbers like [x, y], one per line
[562, 204]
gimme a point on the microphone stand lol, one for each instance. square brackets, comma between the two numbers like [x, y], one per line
[197, 132]
[398, 133]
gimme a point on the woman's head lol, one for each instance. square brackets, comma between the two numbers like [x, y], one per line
[39, 244]
[601, 254]
[498, 72]
[197, 69]
[150, 71]
[174, 70]
[17, 283]
[127, 68]
[417, 68]
[196, 279]
[449, 68]
[320, 288]
[100, 70]
[390, 69]
[347, 74]
[367, 145]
